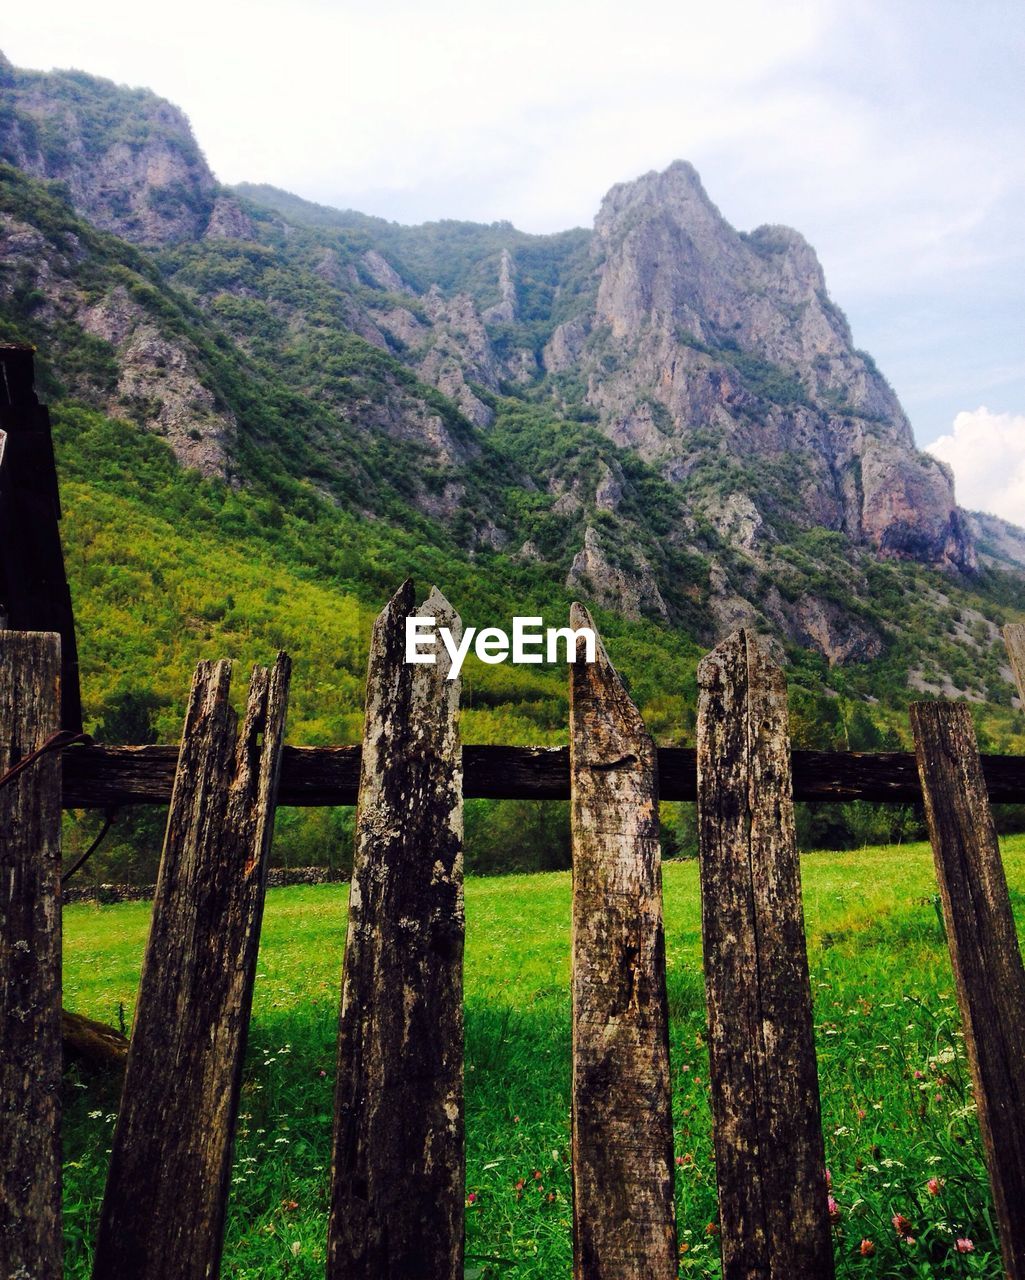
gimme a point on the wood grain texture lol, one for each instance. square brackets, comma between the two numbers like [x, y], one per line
[164, 1206]
[97, 777]
[984, 951]
[624, 1217]
[398, 1173]
[30, 961]
[1014, 639]
[770, 1161]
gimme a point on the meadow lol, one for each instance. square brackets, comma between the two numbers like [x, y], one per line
[908, 1188]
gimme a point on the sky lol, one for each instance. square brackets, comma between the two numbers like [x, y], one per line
[890, 132]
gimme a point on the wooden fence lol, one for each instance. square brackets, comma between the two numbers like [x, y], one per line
[397, 1193]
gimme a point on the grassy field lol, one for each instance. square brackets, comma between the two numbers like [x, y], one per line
[901, 1133]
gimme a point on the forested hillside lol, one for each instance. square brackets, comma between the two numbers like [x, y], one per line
[268, 413]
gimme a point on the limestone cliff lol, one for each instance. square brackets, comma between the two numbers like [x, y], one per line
[704, 341]
[127, 158]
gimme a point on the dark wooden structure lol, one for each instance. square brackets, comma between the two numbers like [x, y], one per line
[399, 1089]
[34, 593]
[105, 776]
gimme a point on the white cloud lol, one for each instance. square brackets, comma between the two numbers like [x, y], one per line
[987, 453]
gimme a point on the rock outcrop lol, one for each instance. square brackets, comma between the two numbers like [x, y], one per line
[127, 158]
[632, 591]
[159, 384]
[702, 339]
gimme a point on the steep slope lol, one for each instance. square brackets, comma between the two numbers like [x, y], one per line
[707, 345]
[126, 157]
[663, 415]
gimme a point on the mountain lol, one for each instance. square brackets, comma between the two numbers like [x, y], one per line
[661, 414]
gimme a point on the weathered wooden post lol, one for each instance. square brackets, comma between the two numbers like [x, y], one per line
[398, 1173]
[984, 950]
[34, 593]
[164, 1206]
[30, 960]
[770, 1161]
[624, 1214]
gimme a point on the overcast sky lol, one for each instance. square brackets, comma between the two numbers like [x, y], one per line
[891, 133]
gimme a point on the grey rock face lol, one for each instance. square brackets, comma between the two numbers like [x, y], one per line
[504, 311]
[697, 328]
[384, 274]
[1000, 544]
[228, 221]
[158, 383]
[127, 157]
[449, 349]
[633, 592]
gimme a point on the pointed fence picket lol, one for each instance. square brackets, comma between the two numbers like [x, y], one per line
[397, 1179]
[164, 1205]
[624, 1213]
[988, 971]
[398, 1167]
[770, 1159]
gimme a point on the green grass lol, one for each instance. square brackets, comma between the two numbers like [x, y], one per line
[884, 1011]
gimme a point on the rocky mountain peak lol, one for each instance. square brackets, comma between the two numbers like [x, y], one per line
[703, 337]
[128, 158]
[677, 191]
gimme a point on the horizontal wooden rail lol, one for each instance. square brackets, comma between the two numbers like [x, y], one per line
[97, 777]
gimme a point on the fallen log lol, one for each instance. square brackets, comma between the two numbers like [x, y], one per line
[92, 1046]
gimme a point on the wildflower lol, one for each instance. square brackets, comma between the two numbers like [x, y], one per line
[963, 1245]
[861, 1114]
[935, 1185]
[919, 1075]
[289, 1205]
[712, 1229]
[471, 1198]
[537, 1175]
[834, 1210]
[516, 1119]
[679, 1160]
[684, 1248]
[866, 1248]
[296, 1248]
[902, 1226]
[323, 1074]
[829, 1180]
